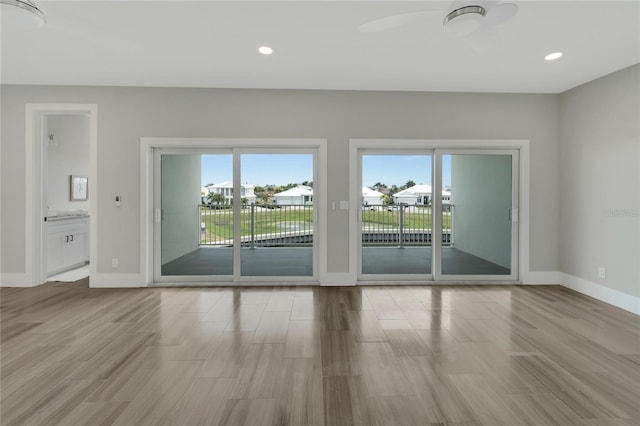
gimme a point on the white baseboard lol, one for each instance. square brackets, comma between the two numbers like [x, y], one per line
[337, 279]
[98, 280]
[15, 280]
[541, 278]
[605, 294]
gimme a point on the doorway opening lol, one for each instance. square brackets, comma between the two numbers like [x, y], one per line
[66, 168]
[478, 221]
[58, 190]
[396, 227]
[243, 212]
[436, 211]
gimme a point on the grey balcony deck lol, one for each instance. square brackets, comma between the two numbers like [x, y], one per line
[298, 261]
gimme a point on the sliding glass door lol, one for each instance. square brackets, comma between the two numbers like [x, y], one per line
[477, 215]
[443, 215]
[396, 215]
[278, 214]
[234, 215]
[194, 215]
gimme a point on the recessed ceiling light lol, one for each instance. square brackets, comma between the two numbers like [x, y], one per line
[265, 50]
[553, 56]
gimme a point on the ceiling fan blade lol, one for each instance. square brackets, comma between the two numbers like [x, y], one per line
[484, 40]
[395, 21]
[501, 13]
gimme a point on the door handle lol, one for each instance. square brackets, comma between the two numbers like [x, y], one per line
[66, 238]
[71, 237]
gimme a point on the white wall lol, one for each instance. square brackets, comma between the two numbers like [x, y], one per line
[482, 199]
[126, 114]
[67, 155]
[181, 178]
[600, 181]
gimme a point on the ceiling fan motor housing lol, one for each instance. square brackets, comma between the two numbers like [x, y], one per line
[464, 20]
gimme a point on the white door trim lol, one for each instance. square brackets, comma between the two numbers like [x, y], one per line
[240, 145]
[35, 266]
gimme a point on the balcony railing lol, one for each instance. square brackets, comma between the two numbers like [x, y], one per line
[261, 226]
[292, 225]
[403, 225]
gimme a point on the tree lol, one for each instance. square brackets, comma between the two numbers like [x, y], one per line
[409, 184]
[245, 201]
[387, 199]
[379, 185]
[394, 189]
[265, 197]
[216, 198]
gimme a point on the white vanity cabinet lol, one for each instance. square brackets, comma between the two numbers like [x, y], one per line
[67, 243]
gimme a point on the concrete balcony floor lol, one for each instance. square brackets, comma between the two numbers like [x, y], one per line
[298, 261]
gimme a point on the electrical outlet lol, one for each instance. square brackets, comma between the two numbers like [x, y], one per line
[602, 272]
[114, 262]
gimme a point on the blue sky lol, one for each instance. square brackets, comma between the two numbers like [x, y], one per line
[398, 169]
[259, 169]
[281, 169]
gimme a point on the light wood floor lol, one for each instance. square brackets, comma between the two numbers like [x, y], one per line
[316, 356]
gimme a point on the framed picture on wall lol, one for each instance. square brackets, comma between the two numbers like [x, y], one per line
[79, 186]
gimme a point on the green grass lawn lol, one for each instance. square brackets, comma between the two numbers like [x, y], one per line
[219, 223]
[383, 219]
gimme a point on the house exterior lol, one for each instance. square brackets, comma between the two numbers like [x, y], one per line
[296, 196]
[416, 195]
[226, 189]
[371, 197]
[420, 195]
[446, 195]
[204, 192]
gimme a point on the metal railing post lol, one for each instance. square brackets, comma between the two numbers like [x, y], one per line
[253, 226]
[451, 224]
[200, 223]
[401, 227]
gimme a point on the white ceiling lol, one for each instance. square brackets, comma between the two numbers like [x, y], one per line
[316, 45]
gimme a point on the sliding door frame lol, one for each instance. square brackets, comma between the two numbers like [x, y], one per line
[237, 253]
[149, 188]
[437, 215]
[157, 216]
[397, 146]
[388, 278]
